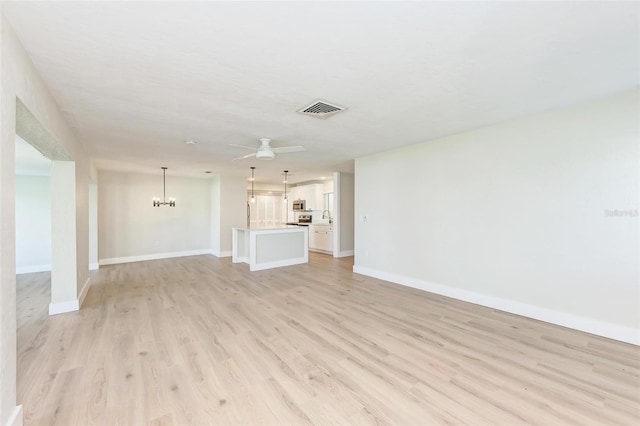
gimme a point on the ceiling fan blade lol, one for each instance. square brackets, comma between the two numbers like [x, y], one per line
[242, 146]
[288, 149]
[243, 157]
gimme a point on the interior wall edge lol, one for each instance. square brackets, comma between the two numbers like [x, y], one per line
[17, 417]
[84, 291]
[225, 253]
[64, 307]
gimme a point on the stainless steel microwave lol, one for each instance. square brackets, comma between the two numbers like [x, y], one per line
[299, 205]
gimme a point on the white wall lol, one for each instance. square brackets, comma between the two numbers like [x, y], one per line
[93, 225]
[19, 79]
[64, 251]
[327, 186]
[228, 210]
[344, 224]
[514, 216]
[130, 228]
[33, 224]
[233, 210]
[215, 215]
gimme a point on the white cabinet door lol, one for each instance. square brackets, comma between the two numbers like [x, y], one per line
[294, 194]
[319, 194]
[328, 246]
[266, 210]
[312, 194]
[309, 197]
[322, 240]
[313, 239]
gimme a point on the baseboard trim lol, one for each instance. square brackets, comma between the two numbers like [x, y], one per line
[345, 253]
[94, 266]
[33, 268]
[84, 291]
[17, 417]
[217, 253]
[64, 307]
[576, 322]
[168, 255]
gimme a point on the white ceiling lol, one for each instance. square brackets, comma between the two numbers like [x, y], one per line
[29, 161]
[135, 80]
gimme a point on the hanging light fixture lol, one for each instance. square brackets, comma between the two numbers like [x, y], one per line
[285, 186]
[156, 200]
[253, 199]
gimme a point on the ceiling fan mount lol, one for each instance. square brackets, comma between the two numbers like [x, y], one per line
[266, 151]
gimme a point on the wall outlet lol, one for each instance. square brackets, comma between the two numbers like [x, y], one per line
[363, 218]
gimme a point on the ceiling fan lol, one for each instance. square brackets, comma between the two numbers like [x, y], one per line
[266, 152]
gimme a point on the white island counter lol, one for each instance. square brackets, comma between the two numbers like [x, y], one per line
[273, 247]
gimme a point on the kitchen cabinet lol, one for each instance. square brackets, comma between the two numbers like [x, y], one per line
[321, 238]
[295, 193]
[318, 195]
[313, 238]
[267, 210]
[312, 194]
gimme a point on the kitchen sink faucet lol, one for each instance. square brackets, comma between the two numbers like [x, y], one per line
[328, 216]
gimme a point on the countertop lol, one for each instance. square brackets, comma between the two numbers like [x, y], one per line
[269, 227]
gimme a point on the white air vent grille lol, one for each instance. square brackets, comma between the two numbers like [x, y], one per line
[321, 109]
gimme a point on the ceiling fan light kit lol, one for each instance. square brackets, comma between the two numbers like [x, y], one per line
[265, 152]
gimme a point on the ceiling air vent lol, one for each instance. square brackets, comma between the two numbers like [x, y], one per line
[321, 109]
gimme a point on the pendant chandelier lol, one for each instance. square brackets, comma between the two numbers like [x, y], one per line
[156, 200]
[253, 199]
[285, 186]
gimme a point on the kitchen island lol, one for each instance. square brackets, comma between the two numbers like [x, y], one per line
[270, 247]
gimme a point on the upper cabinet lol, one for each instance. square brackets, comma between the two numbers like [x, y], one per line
[312, 194]
[296, 194]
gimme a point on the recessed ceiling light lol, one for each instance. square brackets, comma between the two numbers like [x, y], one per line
[190, 142]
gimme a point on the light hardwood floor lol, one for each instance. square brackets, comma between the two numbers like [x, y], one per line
[197, 340]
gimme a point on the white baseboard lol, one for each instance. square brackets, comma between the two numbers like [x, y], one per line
[64, 307]
[321, 251]
[33, 268]
[84, 291]
[94, 266]
[217, 253]
[345, 253]
[128, 259]
[17, 417]
[589, 325]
